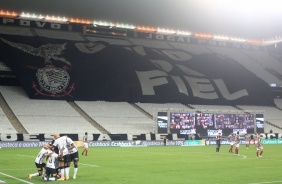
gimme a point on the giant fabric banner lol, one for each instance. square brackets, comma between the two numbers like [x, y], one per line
[70, 70]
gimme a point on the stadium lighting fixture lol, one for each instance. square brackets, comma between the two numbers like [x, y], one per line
[165, 31]
[239, 4]
[202, 35]
[8, 14]
[79, 21]
[125, 26]
[145, 29]
[237, 39]
[183, 33]
[219, 37]
[256, 42]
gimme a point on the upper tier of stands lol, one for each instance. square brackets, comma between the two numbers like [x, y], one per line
[39, 116]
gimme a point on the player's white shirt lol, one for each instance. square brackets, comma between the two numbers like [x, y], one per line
[63, 142]
[40, 157]
[73, 150]
[85, 138]
[51, 161]
[85, 141]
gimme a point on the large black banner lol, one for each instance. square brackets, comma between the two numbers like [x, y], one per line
[70, 70]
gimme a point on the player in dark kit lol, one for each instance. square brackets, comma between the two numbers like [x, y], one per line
[165, 140]
[218, 142]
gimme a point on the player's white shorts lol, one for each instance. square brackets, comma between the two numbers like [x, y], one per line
[85, 145]
[231, 143]
[237, 145]
[259, 148]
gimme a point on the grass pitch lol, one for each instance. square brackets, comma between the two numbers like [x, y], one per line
[155, 165]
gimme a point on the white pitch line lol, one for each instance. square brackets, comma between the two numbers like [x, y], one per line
[15, 178]
[88, 164]
[267, 182]
[15, 169]
[25, 156]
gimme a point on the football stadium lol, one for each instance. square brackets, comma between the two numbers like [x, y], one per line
[159, 105]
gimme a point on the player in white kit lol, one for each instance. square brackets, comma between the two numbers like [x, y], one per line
[259, 146]
[39, 162]
[51, 172]
[63, 143]
[85, 143]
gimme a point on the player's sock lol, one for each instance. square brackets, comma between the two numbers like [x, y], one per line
[86, 152]
[52, 179]
[62, 172]
[35, 174]
[75, 172]
[67, 172]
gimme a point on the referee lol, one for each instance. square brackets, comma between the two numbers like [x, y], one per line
[218, 140]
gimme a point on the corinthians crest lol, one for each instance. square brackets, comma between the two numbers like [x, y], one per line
[51, 80]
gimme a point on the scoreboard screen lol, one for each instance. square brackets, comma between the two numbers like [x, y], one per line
[234, 121]
[183, 123]
[209, 124]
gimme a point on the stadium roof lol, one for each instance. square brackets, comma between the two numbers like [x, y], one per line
[252, 19]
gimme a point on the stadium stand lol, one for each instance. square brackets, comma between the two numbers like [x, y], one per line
[117, 117]
[15, 31]
[193, 49]
[59, 35]
[121, 117]
[111, 41]
[44, 116]
[5, 125]
[150, 43]
[153, 108]
[248, 62]
[272, 116]
[215, 108]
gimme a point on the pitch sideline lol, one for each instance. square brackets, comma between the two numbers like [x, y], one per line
[15, 178]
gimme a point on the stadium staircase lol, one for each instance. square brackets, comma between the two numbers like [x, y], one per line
[11, 116]
[141, 110]
[88, 118]
[273, 125]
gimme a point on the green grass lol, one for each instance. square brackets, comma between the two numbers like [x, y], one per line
[155, 165]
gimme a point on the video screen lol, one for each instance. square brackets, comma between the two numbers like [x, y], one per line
[162, 122]
[234, 121]
[182, 121]
[260, 123]
[205, 121]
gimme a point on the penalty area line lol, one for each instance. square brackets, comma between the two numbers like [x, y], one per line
[15, 178]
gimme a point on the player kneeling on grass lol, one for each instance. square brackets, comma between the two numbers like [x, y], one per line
[259, 146]
[51, 171]
[39, 162]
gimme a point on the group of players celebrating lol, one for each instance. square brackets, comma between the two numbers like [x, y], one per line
[234, 139]
[59, 154]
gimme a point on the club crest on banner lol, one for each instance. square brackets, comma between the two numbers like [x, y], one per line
[51, 80]
[54, 81]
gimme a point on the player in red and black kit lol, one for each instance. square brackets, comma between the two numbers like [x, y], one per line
[218, 142]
